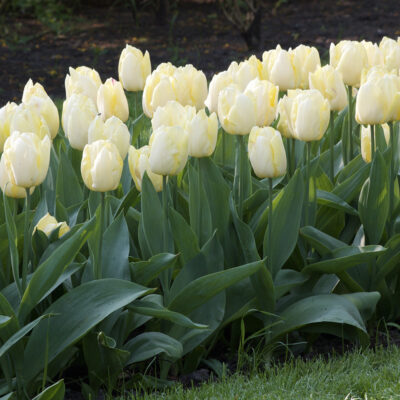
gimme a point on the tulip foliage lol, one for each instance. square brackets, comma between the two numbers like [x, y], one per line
[150, 231]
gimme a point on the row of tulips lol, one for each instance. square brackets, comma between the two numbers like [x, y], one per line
[115, 274]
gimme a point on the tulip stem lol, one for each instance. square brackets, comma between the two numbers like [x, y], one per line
[27, 239]
[392, 177]
[289, 157]
[372, 130]
[293, 155]
[239, 169]
[165, 213]
[308, 182]
[97, 268]
[331, 148]
[223, 147]
[350, 127]
[270, 223]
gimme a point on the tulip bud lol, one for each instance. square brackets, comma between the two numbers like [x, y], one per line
[374, 54]
[101, 166]
[267, 153]
[138, 160]
[6, 114]
[173, 114]
[265, 97]
[236, 111]
[26, 158]
[114, 130]
[169, 150]
[82, 80]
[203, 133]
[35, 96]
[48, 223]
[133, 68]
[329, 82]
[309, 61]
[245, 72]
[218, 82]
[309, 115]
[26, 118]
[282, 68]
[11, 190]
[366, 140]
[391, 53]
[111, 100]
[283, 112]
[349, 58]
[78, 112]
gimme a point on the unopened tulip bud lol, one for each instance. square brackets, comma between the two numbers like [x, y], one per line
[82, 80]
[11, 190]
[111, 100]
[133, 68]
[26, 158]
[48, 224]
[101, 166]
[374, 54]
[6, 114]
[267, 153]
[138, 160]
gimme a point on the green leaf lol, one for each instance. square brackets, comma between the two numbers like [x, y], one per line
[331, 200]
[150, 344]
[47, 274]
[373, 204]
[287, 279]
[53, 392]
[323, 243]
[389, 260]
[83, 308]
[286, 220]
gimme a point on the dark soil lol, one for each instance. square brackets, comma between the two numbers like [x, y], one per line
[200, 35]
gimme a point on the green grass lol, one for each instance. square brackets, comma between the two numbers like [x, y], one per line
[363, 375]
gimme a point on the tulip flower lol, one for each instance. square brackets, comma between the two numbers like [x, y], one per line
[218, 82]
[203, 133]
[265, 96]
[26, 118]
[133, 68]
[78, 113]
[138, 160]
[309, 61]
[374, 54]
[101, 166]
[282, 68]
[267, 153]
[82, 80]
[391, 53]
[245, 72]
[349, 58]
[366, 141]
[236, 111]
[111, 100]
[114, 130]
[48, 224]
[11, 190]
[172, 114]
[35, 96]
[169, 150]
[6, 114]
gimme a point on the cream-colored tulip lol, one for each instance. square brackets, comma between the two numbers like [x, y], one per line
[111, 100]
[11, 190]
[245, 72]
[378, 100]
[374, 73]
[26, 158]
[391, 53]
[172, 114]
[236, 111]
[349, 58]
[78, 113]
[114, 130]
[133, 68]
[101, 166]
[218, 82]
[48, 224]
[265, 96]
[374, 54]
[6, 114]
[329, 82]
[82, 80]
[203, 133]
[169, 150]
[283, 113]
[309, 61]
[35, 96]
[138, 160]
[366, 140]
[309, 115]
[26, 118]
[266, 152]
[282, 68]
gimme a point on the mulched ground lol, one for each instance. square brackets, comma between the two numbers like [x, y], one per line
[200, 35]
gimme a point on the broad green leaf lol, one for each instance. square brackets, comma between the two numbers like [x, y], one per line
[323, 243]
[53, 392]
[287, 279]
[373, 204]
[389, 260]
[83, 307]
[47, 274]
[365, 302]
[149, 344]
[331, 200]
